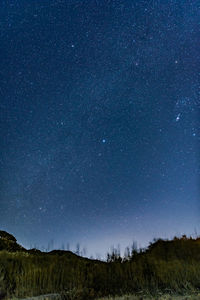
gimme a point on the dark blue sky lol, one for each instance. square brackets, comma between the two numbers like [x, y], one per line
[99, 121]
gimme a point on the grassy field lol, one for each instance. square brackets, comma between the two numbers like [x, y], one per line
[44, 297]
[125, 297]
[171, 267]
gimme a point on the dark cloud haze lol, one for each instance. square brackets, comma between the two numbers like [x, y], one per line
[99, 121]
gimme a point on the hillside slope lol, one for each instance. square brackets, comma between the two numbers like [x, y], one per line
[164, 267]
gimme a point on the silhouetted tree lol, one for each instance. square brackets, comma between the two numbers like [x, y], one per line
[134, 250]
[77, 249]
[127, 253]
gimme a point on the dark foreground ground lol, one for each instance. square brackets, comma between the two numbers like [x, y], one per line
[125, 297]
[161, 297]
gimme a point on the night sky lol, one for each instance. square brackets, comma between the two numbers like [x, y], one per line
[99, 121]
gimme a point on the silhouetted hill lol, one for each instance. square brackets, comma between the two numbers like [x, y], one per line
[9, 243]
[7, 236]
[179, 248]
[164, 266]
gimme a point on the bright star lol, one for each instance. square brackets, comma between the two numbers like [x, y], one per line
[178, 117]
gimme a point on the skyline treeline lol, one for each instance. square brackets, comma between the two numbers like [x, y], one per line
[165, 266]
[84, 252]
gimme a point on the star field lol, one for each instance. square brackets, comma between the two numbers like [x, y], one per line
[99, 121]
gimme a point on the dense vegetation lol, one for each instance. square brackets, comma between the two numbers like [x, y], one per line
[166, 266]
[152, 297]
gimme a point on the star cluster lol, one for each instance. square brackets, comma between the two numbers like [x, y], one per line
[99, 121]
